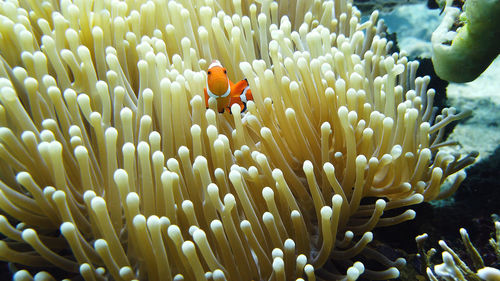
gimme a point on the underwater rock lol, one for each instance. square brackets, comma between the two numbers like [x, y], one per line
[480, 132]
[413, 24]
[382, 5]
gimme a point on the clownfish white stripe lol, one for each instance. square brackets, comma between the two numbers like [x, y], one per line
[243, 95]
[215, 63]
[212, 95]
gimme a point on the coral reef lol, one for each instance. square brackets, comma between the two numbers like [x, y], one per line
[467, 40]
[112, 168]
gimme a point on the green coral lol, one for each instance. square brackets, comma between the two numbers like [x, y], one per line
[466, 42]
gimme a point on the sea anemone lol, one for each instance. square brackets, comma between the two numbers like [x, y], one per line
[112, 167]
[454, 267]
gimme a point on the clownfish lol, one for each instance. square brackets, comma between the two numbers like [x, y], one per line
[224, 90]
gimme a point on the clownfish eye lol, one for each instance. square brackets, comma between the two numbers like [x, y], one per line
[225, 72]
[209, 72]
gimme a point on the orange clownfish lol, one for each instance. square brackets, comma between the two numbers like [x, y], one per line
[224, 90]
